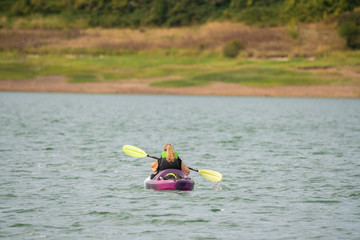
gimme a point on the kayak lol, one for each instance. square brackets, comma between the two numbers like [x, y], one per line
[170, 179]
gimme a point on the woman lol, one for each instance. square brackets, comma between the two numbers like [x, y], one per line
[169, 160]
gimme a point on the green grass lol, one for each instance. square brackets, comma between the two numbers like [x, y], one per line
[83, 78]
[253, 76]
[189, 71]
[262, 77]
[16, 71]
[179, 83]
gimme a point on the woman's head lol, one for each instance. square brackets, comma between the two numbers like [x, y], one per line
[170, 153]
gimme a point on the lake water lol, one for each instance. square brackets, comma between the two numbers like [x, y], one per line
[291, 167]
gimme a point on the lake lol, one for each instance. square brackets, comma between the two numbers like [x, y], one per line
[291, 167]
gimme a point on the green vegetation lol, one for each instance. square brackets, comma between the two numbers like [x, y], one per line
[263, 77]
[179, 83]
[350, 29]
[169, 13]
[179, 71]
[16, 70]
[137, 14]
[232, 48]
[82, 78]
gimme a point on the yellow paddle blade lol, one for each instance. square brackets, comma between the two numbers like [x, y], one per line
[134, 151]
[211, 175]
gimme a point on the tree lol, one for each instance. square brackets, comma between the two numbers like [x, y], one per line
[159, 13]
[349, 28]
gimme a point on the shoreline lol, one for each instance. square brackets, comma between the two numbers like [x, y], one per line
[178, 60]
[59, 84]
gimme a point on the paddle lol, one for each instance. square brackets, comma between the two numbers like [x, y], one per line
[139, 153]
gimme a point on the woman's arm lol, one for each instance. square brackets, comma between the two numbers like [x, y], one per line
[184, 168]
[154, 166]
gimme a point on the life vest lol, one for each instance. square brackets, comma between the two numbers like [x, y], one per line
[163, 164]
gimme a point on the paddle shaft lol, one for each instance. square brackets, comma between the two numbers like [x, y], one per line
[193, 169]
[153, 157]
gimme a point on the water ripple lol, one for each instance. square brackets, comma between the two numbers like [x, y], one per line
[290, 167]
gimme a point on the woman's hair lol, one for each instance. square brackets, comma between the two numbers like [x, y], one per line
[170, 153]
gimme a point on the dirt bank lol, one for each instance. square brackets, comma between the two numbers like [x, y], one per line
[258, 41]
[60, 84]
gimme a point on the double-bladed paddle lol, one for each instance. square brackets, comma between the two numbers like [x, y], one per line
[139, 153]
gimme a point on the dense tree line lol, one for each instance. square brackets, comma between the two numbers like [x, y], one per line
[170, 13]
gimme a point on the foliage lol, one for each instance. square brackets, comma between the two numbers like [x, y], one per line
[232, 48]
[316, 10]
[136, 13]
[262, 15]
[349, 28]
[293, 29]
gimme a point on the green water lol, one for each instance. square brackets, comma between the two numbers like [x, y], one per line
[290, 167]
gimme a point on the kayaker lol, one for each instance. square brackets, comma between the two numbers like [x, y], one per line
[169, 160]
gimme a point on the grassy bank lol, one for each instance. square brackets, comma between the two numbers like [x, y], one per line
[182, 57]
[158, 68]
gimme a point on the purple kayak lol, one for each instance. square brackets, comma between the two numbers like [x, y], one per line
[170, 179]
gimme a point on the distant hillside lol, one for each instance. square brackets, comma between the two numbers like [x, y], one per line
[166, 13]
